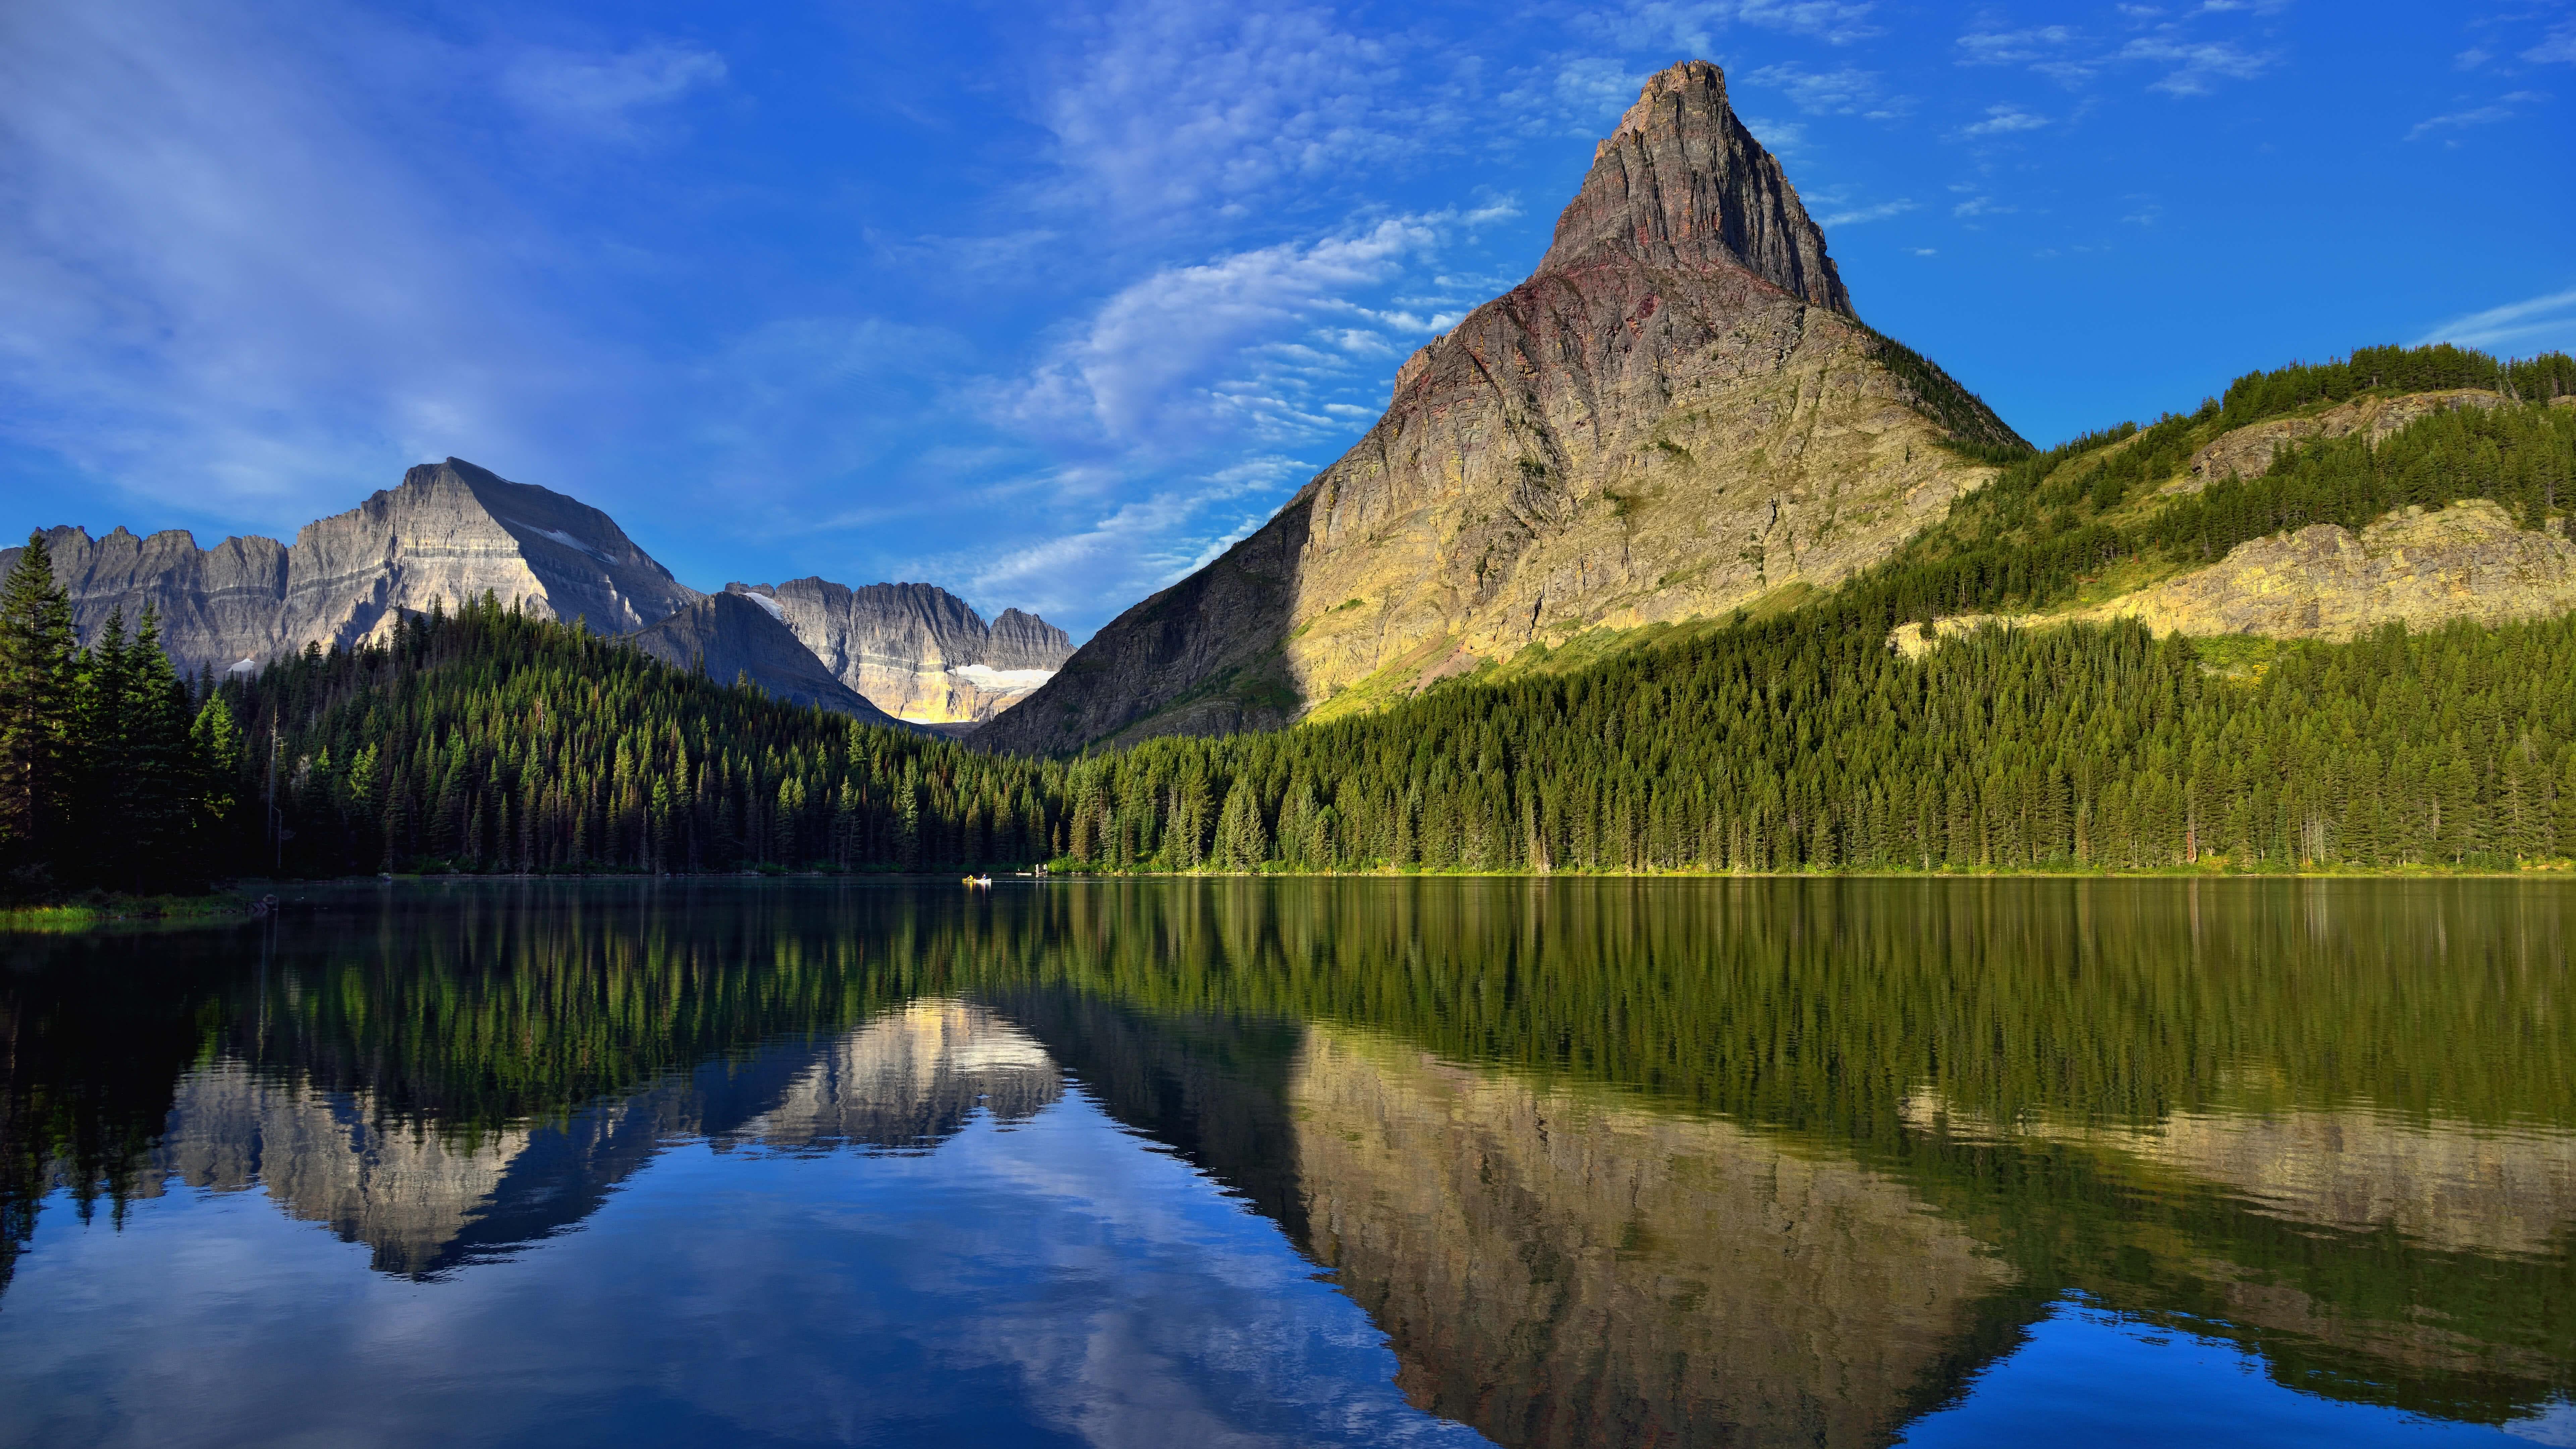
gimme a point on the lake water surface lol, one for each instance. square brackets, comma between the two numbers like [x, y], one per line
[1300, 1162]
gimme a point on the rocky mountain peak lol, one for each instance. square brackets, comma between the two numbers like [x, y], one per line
[1675, 417]
[1681, 183]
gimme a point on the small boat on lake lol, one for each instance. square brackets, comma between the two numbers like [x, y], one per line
[979, 880]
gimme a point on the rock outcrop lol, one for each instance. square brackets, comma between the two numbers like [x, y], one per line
[1676, 415]
[733, 637]
[917, 651]
[451, 530]
[2468, 561]
[2247, 452]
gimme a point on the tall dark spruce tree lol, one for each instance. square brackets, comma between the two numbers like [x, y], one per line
[111, 773]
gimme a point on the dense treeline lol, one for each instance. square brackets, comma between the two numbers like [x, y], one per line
[488, 741]
[111, 772]
[1805, 742]
[2521, 457]
[2259, 395]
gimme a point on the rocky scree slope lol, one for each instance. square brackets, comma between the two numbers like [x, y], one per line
[1675, 416]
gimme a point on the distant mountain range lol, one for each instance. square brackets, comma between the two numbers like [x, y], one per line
[887, 653]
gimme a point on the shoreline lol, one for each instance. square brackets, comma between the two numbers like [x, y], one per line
[243, 900]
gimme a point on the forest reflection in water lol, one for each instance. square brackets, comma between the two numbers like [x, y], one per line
[1734, 1162]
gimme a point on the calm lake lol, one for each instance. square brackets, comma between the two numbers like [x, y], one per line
[1814, 1162]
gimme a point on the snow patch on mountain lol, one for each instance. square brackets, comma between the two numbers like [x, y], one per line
[984, 676]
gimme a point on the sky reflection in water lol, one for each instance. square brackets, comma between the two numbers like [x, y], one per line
[1587, 1165]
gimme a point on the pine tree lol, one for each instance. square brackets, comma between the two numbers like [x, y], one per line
[36, 689]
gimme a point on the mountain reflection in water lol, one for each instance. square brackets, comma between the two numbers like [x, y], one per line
[1665, 1163]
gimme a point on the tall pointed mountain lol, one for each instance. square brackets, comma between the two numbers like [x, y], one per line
[1677, 415]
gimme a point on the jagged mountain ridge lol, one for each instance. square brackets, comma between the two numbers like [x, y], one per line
[917, 650]
[1676, 415]
[450, 530]
[454, 530]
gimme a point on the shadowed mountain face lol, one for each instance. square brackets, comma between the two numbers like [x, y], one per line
[917, 651]
[451, 531]
[1675, 416]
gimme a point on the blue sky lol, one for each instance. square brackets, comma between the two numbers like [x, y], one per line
[1046, 303]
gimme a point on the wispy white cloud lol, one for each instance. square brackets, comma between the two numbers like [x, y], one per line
[2004, 120]
[2557, 48]
[1854, 216]
[1694, 27]
[241, 301]
[2015, 47]
[1177, 108]
[1145, 543]
[2192, 64]
[605, 96]
[2548, 320]
[1846, 91]
[1153, 362]
[2197, 66]
[2502, 108]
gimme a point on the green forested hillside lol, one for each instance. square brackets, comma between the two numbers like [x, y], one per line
[2050, 521]
[487, 741]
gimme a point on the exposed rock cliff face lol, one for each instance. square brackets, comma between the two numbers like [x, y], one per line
[730, 636]
[915, 650]
[1676, 414]
[452, 530]
[2468, 561]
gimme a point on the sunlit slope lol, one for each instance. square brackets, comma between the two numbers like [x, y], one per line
[2418, 486]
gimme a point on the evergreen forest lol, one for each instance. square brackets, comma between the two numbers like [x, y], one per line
[479, 739]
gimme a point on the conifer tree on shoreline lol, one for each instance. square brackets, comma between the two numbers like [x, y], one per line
[111, 773]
